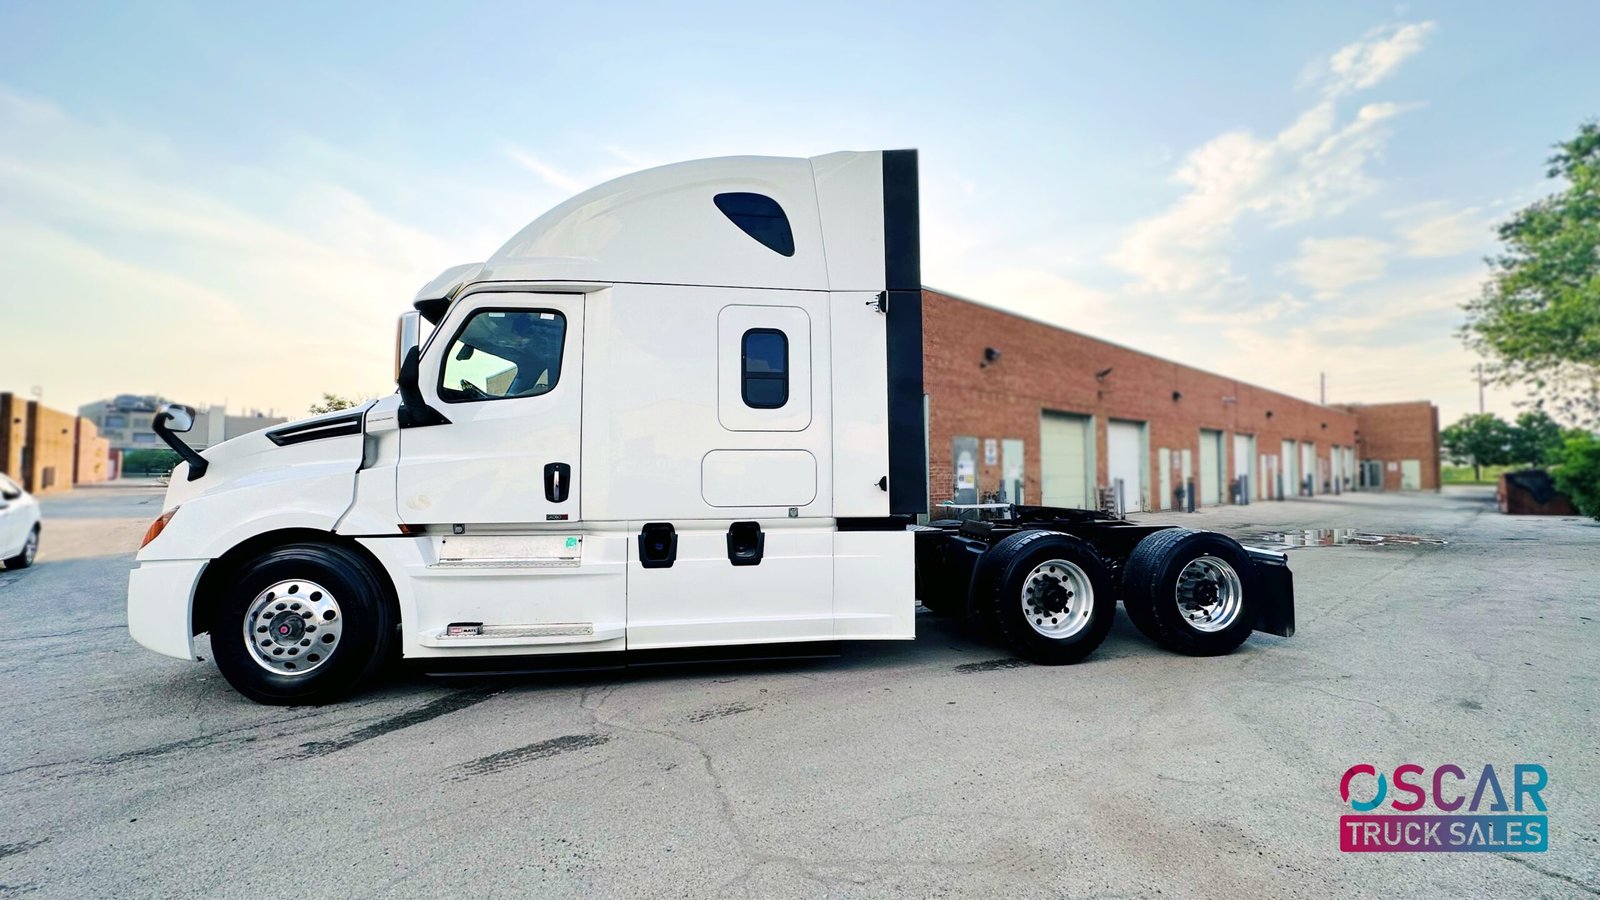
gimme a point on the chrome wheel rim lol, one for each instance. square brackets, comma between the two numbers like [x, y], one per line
[31, 548]
[293, 627]
[1057, 599]
[1210, 594]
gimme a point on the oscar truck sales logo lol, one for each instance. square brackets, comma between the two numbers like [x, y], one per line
[1443, 810]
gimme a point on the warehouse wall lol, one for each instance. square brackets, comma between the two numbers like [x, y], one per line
[1393, 433]
[48, 450]
[1045, 368]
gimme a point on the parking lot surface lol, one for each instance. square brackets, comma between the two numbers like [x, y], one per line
[939, 767]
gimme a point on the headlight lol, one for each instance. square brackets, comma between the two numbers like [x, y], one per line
[156, 527]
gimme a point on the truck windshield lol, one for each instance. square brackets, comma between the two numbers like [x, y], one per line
[500, 353]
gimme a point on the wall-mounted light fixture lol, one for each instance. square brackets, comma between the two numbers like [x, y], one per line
[1176, 396]
[1269, 413]
[1324, 424]
[1101, 375]
[990, 357]
[1230, 399]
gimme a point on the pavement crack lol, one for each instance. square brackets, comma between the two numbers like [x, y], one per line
[19, 847]
[1581, 885]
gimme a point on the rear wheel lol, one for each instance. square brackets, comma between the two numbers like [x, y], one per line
[1190, 591]
[1050, 600]
[30, 549]
[302, 624]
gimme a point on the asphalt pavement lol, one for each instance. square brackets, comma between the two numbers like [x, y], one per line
[935, 768]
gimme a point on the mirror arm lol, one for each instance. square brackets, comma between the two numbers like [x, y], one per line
[197, 463]
[414, 411]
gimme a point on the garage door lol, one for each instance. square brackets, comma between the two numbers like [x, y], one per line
[1244, 451]
[1308, 465]
[1064, 460]
[1290, 469]
[1410, 474]
[1125, 460]
[1211, 461]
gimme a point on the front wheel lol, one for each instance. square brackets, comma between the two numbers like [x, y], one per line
[302, 624]
[1051, 599]
[30, 549]
[1190, 591]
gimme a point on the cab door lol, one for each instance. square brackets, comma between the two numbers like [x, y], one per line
[506, 370]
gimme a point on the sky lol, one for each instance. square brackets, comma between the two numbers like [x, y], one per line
[231, 203]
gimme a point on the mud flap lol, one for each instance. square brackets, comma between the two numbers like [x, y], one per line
[1274, 586]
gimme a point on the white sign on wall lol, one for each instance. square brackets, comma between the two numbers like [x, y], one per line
[991, 452]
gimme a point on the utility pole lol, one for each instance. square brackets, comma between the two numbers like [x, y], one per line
[1480, 389]
[1324, 379]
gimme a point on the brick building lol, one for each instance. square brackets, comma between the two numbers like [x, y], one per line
[1026, 411]
[1398, 444]
[45, 450]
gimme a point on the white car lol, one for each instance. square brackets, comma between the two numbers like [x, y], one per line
[19, 526]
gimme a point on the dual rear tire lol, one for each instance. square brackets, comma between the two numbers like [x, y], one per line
[1049, 598]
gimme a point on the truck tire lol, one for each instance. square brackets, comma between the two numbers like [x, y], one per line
[1190, 591]
[302, 624]
[1049, 599]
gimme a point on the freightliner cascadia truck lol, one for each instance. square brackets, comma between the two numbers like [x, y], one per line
[678, 416]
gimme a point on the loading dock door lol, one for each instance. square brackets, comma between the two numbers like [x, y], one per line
[1290, 470]
[1064, 460]
[1308, 465]
[1211, 471]
[1410, 474]
[1163, 493]
[1125, 459]
[1244, 450]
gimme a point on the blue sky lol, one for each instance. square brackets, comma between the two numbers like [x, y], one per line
[225, 202]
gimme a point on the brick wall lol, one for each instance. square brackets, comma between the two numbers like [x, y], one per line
[1394, 432]
[1043, 367]
[47, 450]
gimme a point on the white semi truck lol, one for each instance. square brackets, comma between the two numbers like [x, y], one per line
[679, 415]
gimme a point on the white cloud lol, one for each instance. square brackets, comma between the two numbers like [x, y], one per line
[1450, 234]
[551, 175]
[1375, 57]
[1329, 265]
[1315, 167]
[110, 239]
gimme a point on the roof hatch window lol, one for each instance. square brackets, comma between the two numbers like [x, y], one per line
[760, 217]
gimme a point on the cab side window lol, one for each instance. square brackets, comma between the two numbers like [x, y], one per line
[764, 368]
[500, 354]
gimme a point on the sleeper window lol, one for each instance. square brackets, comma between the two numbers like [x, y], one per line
[760, 217]
[764, 364]
[504, 353]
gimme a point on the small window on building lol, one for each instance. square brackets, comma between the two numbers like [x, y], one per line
[764, 362]
[760, 217]
[504, 353]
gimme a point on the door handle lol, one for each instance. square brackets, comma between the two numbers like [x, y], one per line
[557, 482]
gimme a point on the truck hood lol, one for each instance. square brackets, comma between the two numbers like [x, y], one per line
[287, 452]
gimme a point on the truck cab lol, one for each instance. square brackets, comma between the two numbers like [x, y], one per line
[682, 409]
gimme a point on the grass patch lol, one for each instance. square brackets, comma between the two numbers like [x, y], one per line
[1463, 474]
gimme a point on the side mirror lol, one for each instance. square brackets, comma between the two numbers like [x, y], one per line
[172, 419]
[407, 337]
[179, 418]
[415, 411]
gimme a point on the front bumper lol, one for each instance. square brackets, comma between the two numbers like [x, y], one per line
[1275, 585]
[161, 605]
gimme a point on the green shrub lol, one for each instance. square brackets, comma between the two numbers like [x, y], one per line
[1577, 472]
[149, 462]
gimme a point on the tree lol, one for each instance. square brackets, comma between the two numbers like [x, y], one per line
[333, 403]
[149, 462]
[1577, 472]
[1536, 439]
[1482, 439]
[1538, 317]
